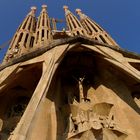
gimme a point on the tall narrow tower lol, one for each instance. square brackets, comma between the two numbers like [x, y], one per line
[73, 23]
[24, 37]
[74, 84]
[43, 29]
[94, 30]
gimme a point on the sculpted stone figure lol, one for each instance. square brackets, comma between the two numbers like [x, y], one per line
[81, 93]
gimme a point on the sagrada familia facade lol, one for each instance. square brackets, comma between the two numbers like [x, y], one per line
[74, 84]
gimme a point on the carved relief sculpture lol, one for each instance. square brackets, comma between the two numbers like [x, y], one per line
[74, 84]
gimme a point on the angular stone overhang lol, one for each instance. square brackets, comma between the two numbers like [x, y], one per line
[77, 39]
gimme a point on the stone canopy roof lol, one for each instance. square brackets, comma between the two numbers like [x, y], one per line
[70, 40]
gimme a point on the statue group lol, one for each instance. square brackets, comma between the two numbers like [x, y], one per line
[86, 116]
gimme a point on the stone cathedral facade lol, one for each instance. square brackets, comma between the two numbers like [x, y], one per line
[74, 84]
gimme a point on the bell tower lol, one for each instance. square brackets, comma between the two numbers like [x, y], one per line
[94, 30]
[24, 37]
[73, 23]
[43, 29]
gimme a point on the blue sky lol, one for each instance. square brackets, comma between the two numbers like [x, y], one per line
[121, 18]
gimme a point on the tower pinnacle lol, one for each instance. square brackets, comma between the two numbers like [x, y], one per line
[65, 7]
[94, 30]
[79, 12]
[33, 10]
[44, 8]
[73, 23]
[23, 38]
[43, 29]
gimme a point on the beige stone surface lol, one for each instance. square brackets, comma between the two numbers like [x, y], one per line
[74, 89]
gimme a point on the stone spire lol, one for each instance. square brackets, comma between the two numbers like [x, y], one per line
[94, 30]
[73, 23]
[23, 38]
[43, 28]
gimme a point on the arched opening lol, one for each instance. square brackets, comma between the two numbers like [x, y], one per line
[78, 33]
[47, 21]
[32, 41]
[91, 24]
[43, 20]
[77, 21]
[42, 34]
[38, 23]
[16, 96]
[82, 32]
[37, 37]
[26, 39]
[83, 84]
[96, 38]
[88, 28]
[72, 22]
[20, 38]
[30, 23]
[102, 38]
[34, 22]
